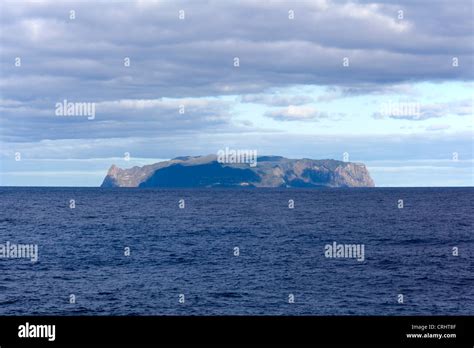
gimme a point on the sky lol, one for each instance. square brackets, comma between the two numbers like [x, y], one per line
[389, 83]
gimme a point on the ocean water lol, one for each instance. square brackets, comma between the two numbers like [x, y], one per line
[190, 251]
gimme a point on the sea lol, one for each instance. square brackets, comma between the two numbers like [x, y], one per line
[141, 252]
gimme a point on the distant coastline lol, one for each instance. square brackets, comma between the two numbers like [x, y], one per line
[233, 171]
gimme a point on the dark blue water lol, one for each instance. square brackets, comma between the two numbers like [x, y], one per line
[190, 251]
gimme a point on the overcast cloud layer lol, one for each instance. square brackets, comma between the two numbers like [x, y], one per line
[183, 91]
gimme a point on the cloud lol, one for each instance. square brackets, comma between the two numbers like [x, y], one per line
[276, 99]
[174, 58]
[428, 145]
[189, 62]
[355, 90]
[117, 118]
[438, 127]
[413, 111]
[296, 113]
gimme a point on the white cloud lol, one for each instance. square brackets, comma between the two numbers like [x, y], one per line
[276, 99]
[295, 113]
[438, 127]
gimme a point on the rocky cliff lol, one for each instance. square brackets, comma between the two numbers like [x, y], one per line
[270, 171]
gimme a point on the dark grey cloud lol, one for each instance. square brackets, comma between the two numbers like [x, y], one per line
[113, 119]
[83, 60]
[193, 57]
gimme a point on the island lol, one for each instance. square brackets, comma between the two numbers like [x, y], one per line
[268, 171]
